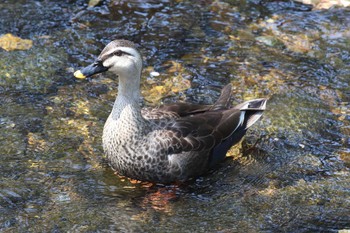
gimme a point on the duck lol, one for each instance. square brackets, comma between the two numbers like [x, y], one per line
[169, 143]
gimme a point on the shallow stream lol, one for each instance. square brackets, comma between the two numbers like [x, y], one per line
[291, 172]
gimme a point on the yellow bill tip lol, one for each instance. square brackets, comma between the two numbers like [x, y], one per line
[79, 74]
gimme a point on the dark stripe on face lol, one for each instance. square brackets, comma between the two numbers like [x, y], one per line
[117, 52]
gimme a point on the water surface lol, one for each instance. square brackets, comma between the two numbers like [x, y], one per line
[291, 172]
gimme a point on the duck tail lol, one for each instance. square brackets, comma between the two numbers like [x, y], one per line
[253, 110]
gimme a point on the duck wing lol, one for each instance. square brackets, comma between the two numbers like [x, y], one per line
[174, 110]
[216, 131]
[202, 131]
[187, 109]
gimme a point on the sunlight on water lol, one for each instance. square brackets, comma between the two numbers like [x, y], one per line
[291, 172]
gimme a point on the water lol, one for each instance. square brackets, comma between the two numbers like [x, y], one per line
[291, 172]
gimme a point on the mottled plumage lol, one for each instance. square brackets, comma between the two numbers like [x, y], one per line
[172, 142]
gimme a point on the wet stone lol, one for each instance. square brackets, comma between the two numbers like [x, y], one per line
[290, 175]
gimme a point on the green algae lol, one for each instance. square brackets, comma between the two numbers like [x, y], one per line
[290, 173]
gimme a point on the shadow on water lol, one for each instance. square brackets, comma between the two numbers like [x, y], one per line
[291, 172]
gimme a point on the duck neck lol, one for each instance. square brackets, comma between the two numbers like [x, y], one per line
[129, 86]
[126, 104]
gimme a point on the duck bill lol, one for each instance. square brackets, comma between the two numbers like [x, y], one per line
[94, 68]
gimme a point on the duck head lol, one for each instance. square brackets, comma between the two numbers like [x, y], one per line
[120, 57]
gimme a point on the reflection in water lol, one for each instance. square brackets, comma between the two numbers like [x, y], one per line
[291, 172]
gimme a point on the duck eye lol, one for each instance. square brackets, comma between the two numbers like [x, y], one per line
[118, 53]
